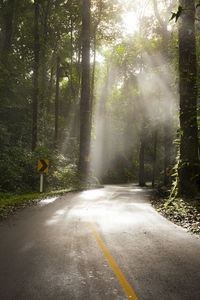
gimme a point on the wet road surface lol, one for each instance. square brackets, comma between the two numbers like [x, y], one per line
[104, 244]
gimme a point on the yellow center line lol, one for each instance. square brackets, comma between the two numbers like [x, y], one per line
[130, 293]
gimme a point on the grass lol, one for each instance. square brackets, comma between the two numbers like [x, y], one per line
[10, 203]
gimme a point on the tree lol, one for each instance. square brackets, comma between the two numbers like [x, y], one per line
[7, 28]
[57, 100]
[167, 128]
[155, 139]
[85, 93]
[36, 70]
[141, 155]
[188, 164]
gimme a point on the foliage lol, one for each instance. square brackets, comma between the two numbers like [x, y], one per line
[19, 170]
[65, 176]
[181, 212]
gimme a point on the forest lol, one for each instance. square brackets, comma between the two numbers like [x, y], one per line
[106, 90]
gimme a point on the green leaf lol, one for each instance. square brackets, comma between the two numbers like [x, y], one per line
[173, 16]
[176, 15]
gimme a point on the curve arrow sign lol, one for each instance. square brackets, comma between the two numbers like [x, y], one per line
[43, 165]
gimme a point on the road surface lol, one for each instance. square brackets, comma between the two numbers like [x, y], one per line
[104, 244]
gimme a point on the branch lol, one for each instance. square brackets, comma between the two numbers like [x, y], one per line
[155, 7]
[99, 16]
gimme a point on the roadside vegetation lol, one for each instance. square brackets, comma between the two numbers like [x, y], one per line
[185, 213]
[10, 203]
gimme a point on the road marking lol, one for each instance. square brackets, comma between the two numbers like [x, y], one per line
[130, 293]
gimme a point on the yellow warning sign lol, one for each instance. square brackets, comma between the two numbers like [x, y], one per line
[43, 165]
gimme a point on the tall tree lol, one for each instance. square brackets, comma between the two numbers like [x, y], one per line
[167, 128]
[7, 28]
[36, 70]
[99, 5]
[142, 133]
[57, 100]
[188, 161]
[85, 93]
[155, 141]
[45, 12]
[141, 155]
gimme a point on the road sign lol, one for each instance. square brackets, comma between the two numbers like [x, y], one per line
[43, 165]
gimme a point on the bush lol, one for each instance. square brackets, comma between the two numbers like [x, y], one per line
[64, 176]
[19, 170]
[16, 170]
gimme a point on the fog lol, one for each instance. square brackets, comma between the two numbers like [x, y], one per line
[124, 104]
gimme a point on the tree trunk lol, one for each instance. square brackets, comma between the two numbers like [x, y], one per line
[94, 53]
[155, 138]
[93, 71]
[6, 62]
[57, 101]
[84, 157]
[167, 129]
[43, 92]
[35, 76]
[8, 13]
[49, 92]
[188, 162]
[71, 58]
[167, 150]
[141, 156]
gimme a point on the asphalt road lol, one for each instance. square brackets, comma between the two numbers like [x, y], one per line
[99, 244]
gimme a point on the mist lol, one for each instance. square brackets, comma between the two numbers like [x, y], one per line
[125, 103]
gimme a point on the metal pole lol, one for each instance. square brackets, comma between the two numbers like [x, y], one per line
[41, 183]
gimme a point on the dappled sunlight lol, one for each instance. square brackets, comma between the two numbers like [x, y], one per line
[111, 207]
[130, 21]
[52, 221]
[155, 82]
[112, 216]
[103, 214]
[60, 212]
[92, 194]
[136, 190]
[135, 10]
[135, 92]
[80, 209]
[47, 201]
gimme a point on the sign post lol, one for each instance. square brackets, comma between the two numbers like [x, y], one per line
[41, 182]
[43, 167]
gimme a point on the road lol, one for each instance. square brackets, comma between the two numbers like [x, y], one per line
[104, 244]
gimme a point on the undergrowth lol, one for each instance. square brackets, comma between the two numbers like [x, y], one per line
[182, 212]
[10, 203]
